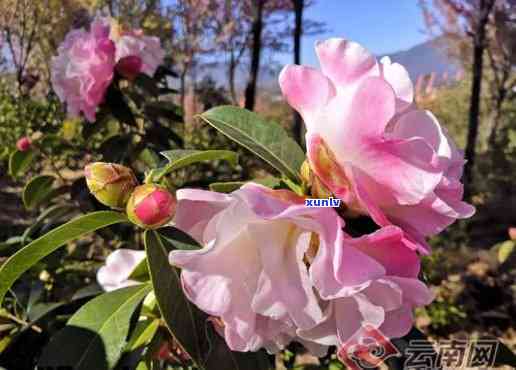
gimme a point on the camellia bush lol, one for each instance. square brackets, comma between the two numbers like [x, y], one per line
[321, 254]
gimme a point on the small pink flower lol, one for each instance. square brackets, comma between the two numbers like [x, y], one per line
[23, 144]
[371, 147]
[129, 67]
[146, 48]
[83, 69]
[151, 206]
[118, 268]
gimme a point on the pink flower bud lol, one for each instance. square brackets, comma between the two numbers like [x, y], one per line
[129, 67]
[110, 183]
[23, 144]
[151, 206]
[512, 233]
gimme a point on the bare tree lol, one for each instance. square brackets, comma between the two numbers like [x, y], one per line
[250, 91]
[469, 18]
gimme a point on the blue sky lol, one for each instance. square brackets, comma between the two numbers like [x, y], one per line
[383, 26]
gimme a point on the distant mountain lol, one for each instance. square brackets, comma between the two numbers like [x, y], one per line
[425, 58]
[422, 59]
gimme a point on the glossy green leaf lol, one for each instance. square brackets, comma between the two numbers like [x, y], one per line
[184, 157]
[146, 84]
[37, 190]
[19, 162]
[26, 257]
[176, 310]
[96, 335]
[267, 140]
[505, 250]
[185, 321]
[142, 334]
[140, 272]
[228, 187]
[52, 213]
[219, 356]
[178, 239]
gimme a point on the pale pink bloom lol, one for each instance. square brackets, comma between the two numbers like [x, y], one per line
[252, 271]
[118, 268]
[370, 146]
[146, 48]
[83, 69]
[370, 280]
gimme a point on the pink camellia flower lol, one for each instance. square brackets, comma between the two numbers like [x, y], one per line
[370, 146]
[273, 270]
[146, 49]
[151, 206]
[83, 69]
[119, 266]
[371, 280]
[252, 272]
[23, 144]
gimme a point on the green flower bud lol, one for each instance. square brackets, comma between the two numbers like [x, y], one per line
[151, 206]
[112, 184]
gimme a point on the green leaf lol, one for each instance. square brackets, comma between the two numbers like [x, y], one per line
[140, 272]
[267, 140]
[167, 110]
[178, 239]
[185, 321]
[54, 212]
[20, 161]
[219, 356]
[147, 85]
[505, 250]
[118, 106]
[184, 157]
[142, 334]
[228, 187]
[26, 257]
[96, 335]
[37, 190]
[176, 310]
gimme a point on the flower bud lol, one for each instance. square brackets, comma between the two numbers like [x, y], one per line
[110, 183]
[129, 67]
[306, 173]
[512, 233]
[23, 144]
[151, 206]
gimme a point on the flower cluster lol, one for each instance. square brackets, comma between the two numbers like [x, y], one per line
[87, 60]
[273, 270]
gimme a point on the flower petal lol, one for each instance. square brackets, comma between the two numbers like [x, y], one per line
[306, 89]
[345, 62]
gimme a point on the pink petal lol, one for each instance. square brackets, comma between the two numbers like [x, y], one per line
[119, 266]
[386, 247]
[284, 287]
[399, 79]
[305, 88]
[345, 62]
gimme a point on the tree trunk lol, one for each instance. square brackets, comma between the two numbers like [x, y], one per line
[298, 33]
[182, 79]
[250, 90]
[474, 106]
[231, 78]
[496, 116]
